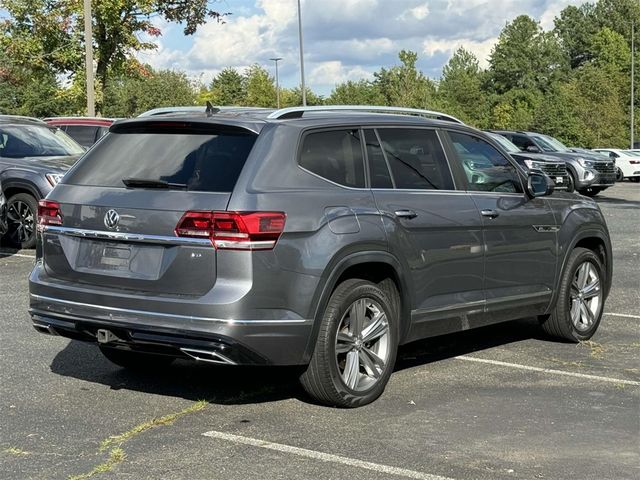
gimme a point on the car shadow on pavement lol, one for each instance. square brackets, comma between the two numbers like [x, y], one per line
[219, 384]
[228, 385]
[434, 349]
[618, 201]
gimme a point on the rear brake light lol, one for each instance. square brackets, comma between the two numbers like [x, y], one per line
[234, 230]
[49, 213]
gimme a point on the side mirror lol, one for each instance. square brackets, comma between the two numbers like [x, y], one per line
[532, 149]
[539, 185]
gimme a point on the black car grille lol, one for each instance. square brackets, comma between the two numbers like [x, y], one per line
[555, 169]
[604, 167]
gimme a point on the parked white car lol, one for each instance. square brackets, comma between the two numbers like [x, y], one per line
[627, 162]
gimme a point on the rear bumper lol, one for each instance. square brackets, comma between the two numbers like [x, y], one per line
[243, 342]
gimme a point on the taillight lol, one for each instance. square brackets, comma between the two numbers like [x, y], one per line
[234, 230]
[49, 213]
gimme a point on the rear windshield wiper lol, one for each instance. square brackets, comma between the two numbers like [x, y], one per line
[150, 183]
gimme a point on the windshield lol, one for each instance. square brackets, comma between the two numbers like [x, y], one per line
[505, 143]
[634, 153]
[19, 141]
[550, 144]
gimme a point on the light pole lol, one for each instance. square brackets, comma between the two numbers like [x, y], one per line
[302, 85]
[277, 59]
[88, 51]
[633, 57]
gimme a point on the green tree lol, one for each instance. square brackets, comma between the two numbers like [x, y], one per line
[360, 92]
[404, 85]
[260, 87]
[460, 90]
[128, 96]
[228, 88]
[574, 29]
[48, 34]
[292, 97]
[609, 50]
[525, 57]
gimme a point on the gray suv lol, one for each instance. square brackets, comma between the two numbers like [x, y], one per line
[321, 237]
[589, 172]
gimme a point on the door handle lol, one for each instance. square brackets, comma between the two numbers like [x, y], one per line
[489, 213]
[408, 214]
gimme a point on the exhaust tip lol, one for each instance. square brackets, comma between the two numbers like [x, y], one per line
[46, 329]
[207, 356]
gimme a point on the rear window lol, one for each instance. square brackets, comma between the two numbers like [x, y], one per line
[83, 134]
[206, 161]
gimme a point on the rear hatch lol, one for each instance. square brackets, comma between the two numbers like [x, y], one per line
[119, 207]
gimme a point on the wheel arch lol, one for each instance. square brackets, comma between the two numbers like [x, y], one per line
[374, 266]
[595, 239]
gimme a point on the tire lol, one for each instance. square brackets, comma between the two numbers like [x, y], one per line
[135, 360]
[346, 370]
[591, 191]
[563, 323]
[635, 179]
[571, 182]
[22, 209]
[619, 175]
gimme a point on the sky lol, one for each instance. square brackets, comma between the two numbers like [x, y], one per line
[343, 39]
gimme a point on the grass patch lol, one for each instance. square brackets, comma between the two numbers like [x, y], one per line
[597, 349]
[116, 456]
[113, 444]
[143, 427]
[15, 451]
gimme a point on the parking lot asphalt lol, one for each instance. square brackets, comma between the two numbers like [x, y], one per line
[502, 402]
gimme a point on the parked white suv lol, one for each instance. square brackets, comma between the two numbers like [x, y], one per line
[627, 163]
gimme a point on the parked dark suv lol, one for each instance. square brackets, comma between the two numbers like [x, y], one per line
[590, 173]
[322, 237]
[33, 158]
[555, 169]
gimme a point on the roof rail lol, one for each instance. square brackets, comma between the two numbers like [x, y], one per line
[298, 112]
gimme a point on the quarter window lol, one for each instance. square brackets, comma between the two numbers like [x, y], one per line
[335, 155]
[416, 159]
[486, 169]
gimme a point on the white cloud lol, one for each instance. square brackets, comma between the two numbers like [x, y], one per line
[347, 38]
[418, 13]
[481, 49]
[330, 73]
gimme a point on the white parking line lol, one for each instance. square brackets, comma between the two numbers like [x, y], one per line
[325, 457]
[21, 255]
[548, 370]
[626, 315]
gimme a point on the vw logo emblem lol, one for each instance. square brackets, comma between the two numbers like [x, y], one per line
[111, 219]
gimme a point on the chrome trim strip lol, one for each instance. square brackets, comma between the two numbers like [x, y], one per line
[546, 228]
[126, 237]
[164, 315]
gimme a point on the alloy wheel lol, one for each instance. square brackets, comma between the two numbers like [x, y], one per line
[21, 221]
[363, 344]
[586, 297]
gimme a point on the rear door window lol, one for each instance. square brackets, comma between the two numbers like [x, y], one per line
[207, 159]
[378, 168]
[335, 155]
[416, 159]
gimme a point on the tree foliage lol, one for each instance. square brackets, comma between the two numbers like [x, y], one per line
[572, 82]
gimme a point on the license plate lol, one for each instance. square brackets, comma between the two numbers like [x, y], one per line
[559, 180]
[116, 256]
